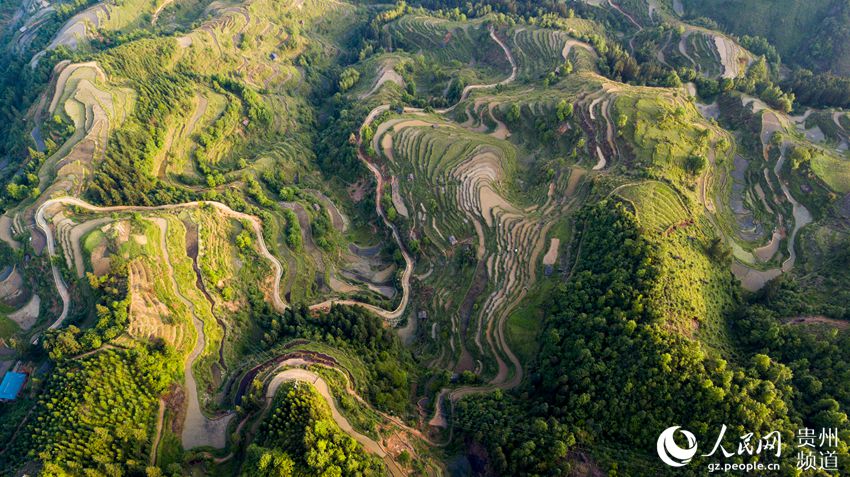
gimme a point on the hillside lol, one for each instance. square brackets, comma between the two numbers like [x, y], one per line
[812, 34]
[324, 237]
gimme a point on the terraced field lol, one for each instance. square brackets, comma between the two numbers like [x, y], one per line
[701, 49]
[484, 137]
[448, 42]
[540, 51]
[710, 53]
[659, 208]
[477, 204]
[78, 30]
[81, 95]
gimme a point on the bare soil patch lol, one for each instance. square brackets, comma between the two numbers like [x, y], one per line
[12, 289]
[552, 254]
[819, 320]
[27, 316]
[6, 232]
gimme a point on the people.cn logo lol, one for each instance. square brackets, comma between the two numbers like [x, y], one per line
[670, 452]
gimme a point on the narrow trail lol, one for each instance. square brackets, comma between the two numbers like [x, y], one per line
[470, 88]
[159, 10]
[61, 288]
[160, 416]
[683, 48]
[631, 20]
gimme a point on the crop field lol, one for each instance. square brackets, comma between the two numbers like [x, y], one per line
[659, 208]
[254, 39]
[479, 204]
[185, 282]
[175, 158]
[540, 51]
[129, 15]
[378, 73]
[834, 171]
[703, 51]
[420, 213]
[217, 254]
[451, 43]
[166, 294]
[116, 17]
[667, 133]
[84, 98]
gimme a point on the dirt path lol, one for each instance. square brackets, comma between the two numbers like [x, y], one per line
[570, 44]
[61, 288]
[27, 315]
[601, 162]
[159, 10]
[160, 416]
[819, 320]
[385, 74]
[632, 20]
[683, 48]
[473, 87]
[627, 15]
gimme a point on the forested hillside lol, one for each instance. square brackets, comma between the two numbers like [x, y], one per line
[810, 34]
[358, 238]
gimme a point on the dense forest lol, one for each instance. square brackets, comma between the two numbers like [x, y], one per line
[299, 436]
[390, 365]
[606, 354]
[94, 417]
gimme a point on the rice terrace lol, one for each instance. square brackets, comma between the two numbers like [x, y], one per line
[424, 237]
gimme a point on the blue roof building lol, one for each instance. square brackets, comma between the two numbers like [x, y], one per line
[11, 385]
